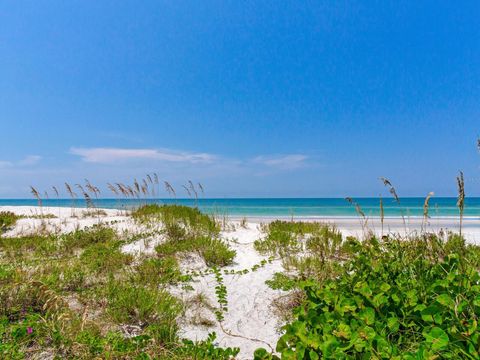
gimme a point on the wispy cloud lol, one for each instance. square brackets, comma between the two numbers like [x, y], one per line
[112, 155]
[5, 164]
[282, 162]
[30, 160]
[27, 161]
[108, 155]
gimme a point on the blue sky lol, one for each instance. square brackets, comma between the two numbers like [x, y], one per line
[270, 98]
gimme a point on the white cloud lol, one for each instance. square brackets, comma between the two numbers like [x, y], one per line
[27, 161]
[112, 155]
[283, 162]
[30, 160]
[5, 164]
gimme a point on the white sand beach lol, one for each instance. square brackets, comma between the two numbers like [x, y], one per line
[251, 320]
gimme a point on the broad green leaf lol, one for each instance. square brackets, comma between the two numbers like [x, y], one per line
[392, 323]
[385, 287]
[446, 300]
[343, 331]
[367, 315]
[437, 337]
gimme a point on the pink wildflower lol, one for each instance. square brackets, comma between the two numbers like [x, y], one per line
[29, 330]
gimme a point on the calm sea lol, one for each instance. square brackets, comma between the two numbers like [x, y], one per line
[308, 207]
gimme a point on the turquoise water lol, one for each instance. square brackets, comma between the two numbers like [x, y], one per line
[441, 206]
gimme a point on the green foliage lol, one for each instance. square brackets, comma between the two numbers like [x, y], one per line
[215, 252]
[207, 350]
[288, 237]
[311, 250]
[294, 227]
[68, 296]
[155, 309]
[31, 244]
[153, 271]
[284, 237]
[187, 230]
[279, 243]
[191, 219]
[104, 257]
[221, 293]
[400, 299]
[7, 220]
[96, 234]
[282, 281]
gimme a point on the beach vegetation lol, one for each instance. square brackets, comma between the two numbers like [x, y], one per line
[282, 281]
[189, 218]
[215, 252]
[7, 220]
[394, 298]
[186, 230]
[78, 295]
[307, 249]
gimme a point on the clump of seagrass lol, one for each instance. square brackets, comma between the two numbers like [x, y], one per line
[73, 195]
[170, 190]
[36, 194]
[461, 198]
[359, 211]
[156, 182]
[392, 190]
[88, 199]
[187, 190]
[382, 213]
[425, 210]
[202, 190]
[150, 181]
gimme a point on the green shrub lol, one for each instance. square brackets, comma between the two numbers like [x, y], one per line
[206, 350]
[281, 281]
[7, 220]
[278, 243]
[74, 278]
[294, 227]
[215, 252]
[152, 308]
[82, 238]
[285, 238]
[158, 271]
[104, 257]
[191, 219]
[394, 299]
[310, 250]
[31, 244]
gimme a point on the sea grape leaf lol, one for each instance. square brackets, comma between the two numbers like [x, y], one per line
[437, 337]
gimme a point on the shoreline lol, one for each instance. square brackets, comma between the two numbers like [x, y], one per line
[348, 225]
[254, 217]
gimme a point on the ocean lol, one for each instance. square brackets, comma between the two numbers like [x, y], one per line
[284, 207]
